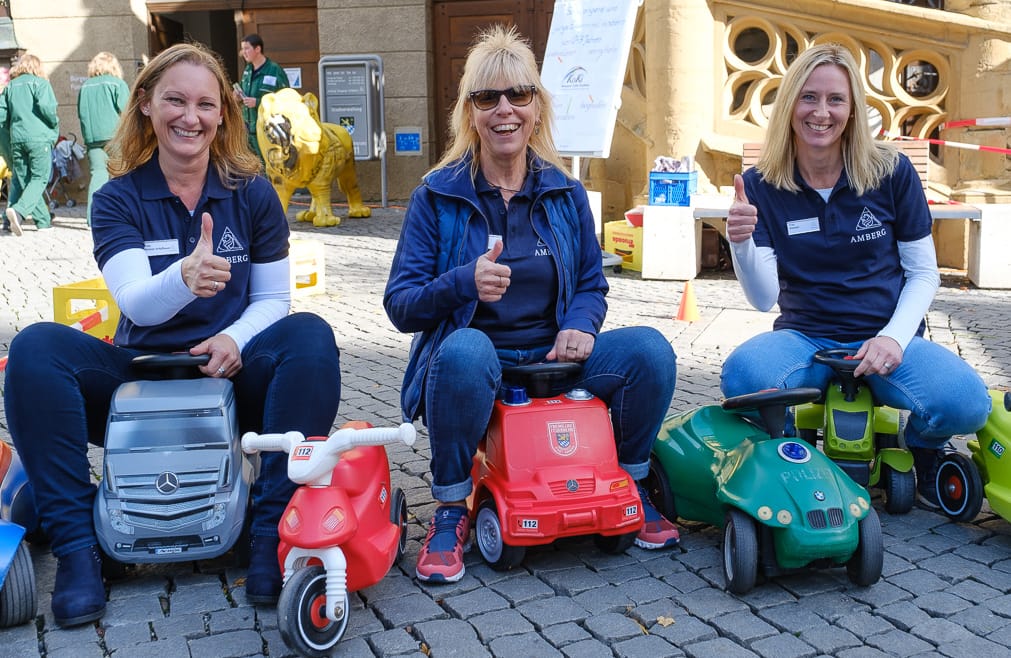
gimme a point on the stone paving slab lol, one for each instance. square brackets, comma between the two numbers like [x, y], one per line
[946, 588]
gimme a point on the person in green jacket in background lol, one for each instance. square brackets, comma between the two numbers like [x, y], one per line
[261, 76]
[102, 99]
[5, 153]
[28, 113]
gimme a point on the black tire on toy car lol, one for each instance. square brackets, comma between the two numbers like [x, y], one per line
[301, 614]
[900, 489]
[959, 488]
[740, 552]
[499, 555]
[615, 544]
[658, 488]
[398, 517]
[18, 601]
[864, 567]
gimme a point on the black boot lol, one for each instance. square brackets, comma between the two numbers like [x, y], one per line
[78, 594]
[263, 579]
[925, 463]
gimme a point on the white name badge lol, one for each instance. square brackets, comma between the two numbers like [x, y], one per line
[270, 80]
[492, 239]
[800, 226]
[161, 247]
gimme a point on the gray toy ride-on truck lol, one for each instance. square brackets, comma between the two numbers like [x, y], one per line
[175, 482]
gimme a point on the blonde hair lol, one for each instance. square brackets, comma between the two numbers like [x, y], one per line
[499, 54]
[134, 142]
[28, 63]
[866, 161]
[104, 63]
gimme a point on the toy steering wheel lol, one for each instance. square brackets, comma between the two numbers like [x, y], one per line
[771, 405]
[841, 360]
[540, 378]
[176, 365]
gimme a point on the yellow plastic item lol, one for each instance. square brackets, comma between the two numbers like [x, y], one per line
[308, 267]
[88, 306]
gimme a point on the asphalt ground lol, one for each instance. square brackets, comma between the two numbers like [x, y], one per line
[945, 590]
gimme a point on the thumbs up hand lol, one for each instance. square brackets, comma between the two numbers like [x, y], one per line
[491, 278]
[742, 217]
[204, 273]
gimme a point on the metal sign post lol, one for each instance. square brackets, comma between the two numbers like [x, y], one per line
[352, 97]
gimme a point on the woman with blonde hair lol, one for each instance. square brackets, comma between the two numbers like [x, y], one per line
[498, 264]
[835, 228]
[100, 101]
[193, 245]
[28, 114]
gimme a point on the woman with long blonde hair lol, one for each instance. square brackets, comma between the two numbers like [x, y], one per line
[835, 228]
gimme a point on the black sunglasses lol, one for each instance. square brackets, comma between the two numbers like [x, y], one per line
[487, 99]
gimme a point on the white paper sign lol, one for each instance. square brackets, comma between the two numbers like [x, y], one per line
[584, 67]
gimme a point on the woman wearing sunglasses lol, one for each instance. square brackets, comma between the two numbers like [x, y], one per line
[498, 264]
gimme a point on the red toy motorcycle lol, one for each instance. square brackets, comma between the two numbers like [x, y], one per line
[342, 530]
[547, 468]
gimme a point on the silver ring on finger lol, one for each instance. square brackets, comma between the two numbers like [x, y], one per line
[888, 366]
[221, 370]
[214, 286]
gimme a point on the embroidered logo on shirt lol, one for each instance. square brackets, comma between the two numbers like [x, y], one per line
[872, 227]
[541, 249]
[228, 242]
[867, 221]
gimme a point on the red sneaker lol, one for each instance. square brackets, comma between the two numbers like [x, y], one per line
[656, 532]
[441, 556]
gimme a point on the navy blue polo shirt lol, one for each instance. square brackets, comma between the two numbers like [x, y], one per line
[839, 269]
[138, 211]
[525, 316]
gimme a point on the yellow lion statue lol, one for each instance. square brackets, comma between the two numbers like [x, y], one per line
[299, 151]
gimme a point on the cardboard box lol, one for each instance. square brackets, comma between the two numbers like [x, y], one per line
[625, 241]
[668, 188]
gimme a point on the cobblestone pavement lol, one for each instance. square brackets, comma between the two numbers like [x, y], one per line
[946, 588]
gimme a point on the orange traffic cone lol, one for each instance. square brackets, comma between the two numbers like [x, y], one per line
[688, 312]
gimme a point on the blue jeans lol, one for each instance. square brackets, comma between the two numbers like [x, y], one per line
[632, 370]
[60, 383]
[943, 394]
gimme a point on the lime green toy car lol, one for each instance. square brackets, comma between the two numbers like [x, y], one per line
[860, 436]
[962, 482]
[782, 504]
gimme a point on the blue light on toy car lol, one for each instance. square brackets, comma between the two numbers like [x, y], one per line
[515, 396]
[794, 452]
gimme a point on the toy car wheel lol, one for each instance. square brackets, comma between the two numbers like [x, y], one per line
[808, 435]
[71, 203]
[899, 488]
[301, 614]
[658, 487]
[959, 488]
[398, 517]
[53, 205]
[740, 552]
[498, 554]
[18, 602]
[615, 544]
[864, 567]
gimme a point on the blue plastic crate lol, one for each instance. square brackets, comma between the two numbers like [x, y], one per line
[672, 188]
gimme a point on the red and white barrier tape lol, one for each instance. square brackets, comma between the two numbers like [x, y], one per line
[957, 145]
[987, 122]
